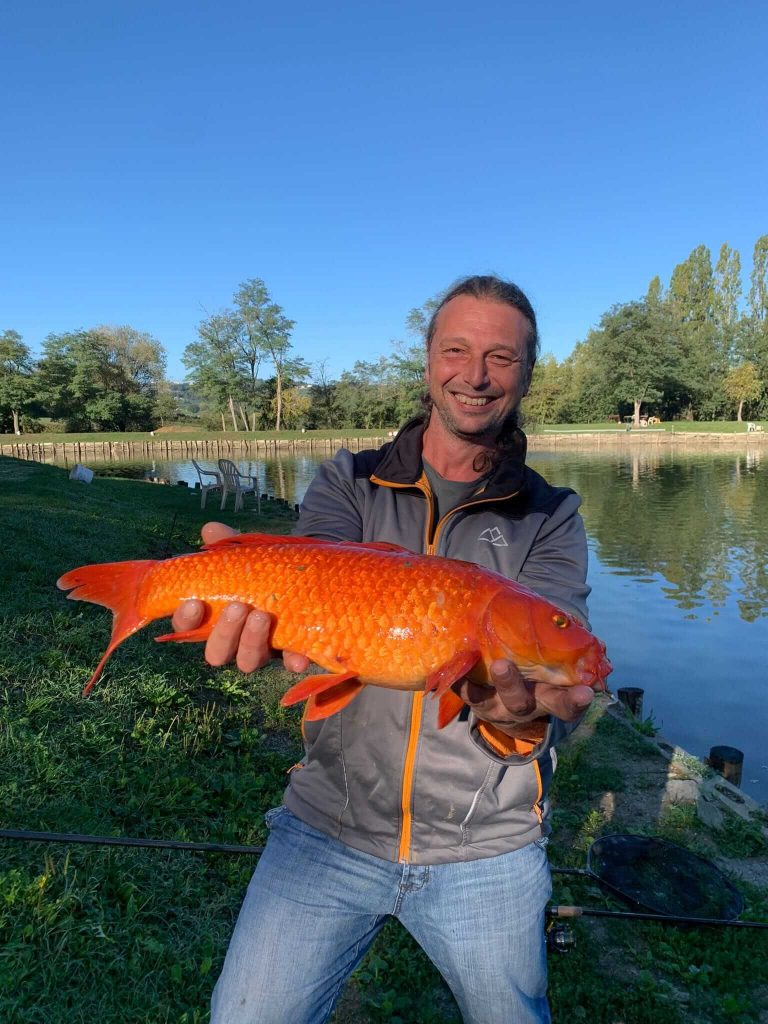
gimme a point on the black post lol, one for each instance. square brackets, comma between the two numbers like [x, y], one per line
[632, 699]
[728, 762]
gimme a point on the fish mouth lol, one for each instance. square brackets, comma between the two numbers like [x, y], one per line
[593, 668]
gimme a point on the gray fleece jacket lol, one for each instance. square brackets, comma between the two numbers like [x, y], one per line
[379, 775]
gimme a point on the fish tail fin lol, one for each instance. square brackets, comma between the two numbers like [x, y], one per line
[112, 585]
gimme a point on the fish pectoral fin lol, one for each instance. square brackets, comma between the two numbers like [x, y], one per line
[186, 636]
[450, 706]
[443, 678]
[311, 686]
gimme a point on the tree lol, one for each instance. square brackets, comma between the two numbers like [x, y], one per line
[224, 365]
[544, 400]
[16, 376]
[691, 287]
[636, 352]
[268, 331]
[655, 293]
[418, 319]
[727, 287]
[741, 385]
[726, 297]
[758, 293]
[297, 402]
[105, 377]
[323, 411]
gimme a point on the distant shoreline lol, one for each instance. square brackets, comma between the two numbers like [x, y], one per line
[173, 447]
[646, 438]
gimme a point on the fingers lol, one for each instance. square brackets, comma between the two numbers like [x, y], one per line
[212, 532]
[512, 700]
[295, 662]
[188, 615]
[254, 650]
[242, 635]
[567, 703]
[237, 626]
[516, 694]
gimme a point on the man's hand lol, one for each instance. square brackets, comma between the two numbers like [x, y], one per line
[241, 633]
[512, 701]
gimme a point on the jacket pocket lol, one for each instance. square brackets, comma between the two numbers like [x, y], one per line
[504, 805]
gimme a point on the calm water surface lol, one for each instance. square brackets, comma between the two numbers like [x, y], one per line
[679, 575]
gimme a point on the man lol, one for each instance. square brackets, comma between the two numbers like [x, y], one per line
[387, 815]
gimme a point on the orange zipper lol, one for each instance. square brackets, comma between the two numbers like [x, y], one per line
[417, 698]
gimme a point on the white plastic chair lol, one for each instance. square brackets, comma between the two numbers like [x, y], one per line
[239, 484]
[214, 485]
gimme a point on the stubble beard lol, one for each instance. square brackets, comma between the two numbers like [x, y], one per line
[486, 434]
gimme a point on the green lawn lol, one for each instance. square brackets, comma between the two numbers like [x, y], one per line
[167, 747]
[195, 434]
[190, 434]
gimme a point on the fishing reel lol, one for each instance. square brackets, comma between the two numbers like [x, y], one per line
[560, 937]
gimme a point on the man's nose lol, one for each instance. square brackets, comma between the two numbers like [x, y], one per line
[476, 372]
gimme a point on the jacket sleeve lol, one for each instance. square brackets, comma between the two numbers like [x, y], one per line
[331, 509]
[556, 565]
[556, 568]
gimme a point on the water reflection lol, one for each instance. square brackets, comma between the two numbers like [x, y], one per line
[694, 521]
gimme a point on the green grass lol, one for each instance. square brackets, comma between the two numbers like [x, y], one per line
[193, 433]
[674, 427]
[167, 747]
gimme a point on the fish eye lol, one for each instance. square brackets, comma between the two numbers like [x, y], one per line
[560, 620]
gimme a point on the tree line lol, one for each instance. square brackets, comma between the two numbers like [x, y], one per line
[697, 349]
[693, 350]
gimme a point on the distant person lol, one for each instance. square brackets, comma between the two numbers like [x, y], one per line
[387, 815]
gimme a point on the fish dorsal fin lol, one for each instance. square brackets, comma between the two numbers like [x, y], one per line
[262, 538]
[273, 538]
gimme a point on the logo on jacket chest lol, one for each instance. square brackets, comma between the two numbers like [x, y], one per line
[493, 535]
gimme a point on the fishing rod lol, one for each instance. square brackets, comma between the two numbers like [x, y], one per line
[559, 938]
[561, 911]
[152, 844]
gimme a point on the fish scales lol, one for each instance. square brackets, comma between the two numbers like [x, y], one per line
[366, 613]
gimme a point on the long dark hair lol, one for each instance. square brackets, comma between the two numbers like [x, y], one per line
[511, 440]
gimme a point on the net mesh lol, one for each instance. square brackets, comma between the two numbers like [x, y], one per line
[663, 877]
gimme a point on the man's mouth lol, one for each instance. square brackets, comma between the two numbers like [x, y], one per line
[468, 400]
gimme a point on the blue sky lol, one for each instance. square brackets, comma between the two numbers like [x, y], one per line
[359, 158]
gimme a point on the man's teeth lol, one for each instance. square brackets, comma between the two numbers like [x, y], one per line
[465, 400]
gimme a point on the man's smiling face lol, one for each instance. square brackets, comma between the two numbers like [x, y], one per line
[477, 366]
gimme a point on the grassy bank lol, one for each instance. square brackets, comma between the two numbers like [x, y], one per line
[192, 433]
[168, 747]
[189, 434]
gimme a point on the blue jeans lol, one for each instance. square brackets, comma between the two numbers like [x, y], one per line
[314, 906]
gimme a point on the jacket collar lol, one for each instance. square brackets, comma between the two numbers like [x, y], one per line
[402, 464]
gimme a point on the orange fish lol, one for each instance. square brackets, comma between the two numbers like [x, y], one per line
[369, 614]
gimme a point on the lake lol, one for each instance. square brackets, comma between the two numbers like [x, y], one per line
[679, 575]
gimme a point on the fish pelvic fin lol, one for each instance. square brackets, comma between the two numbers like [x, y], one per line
[450, 706]
[443, 678]
[186, 636]
[112, 585]
[325, 695]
